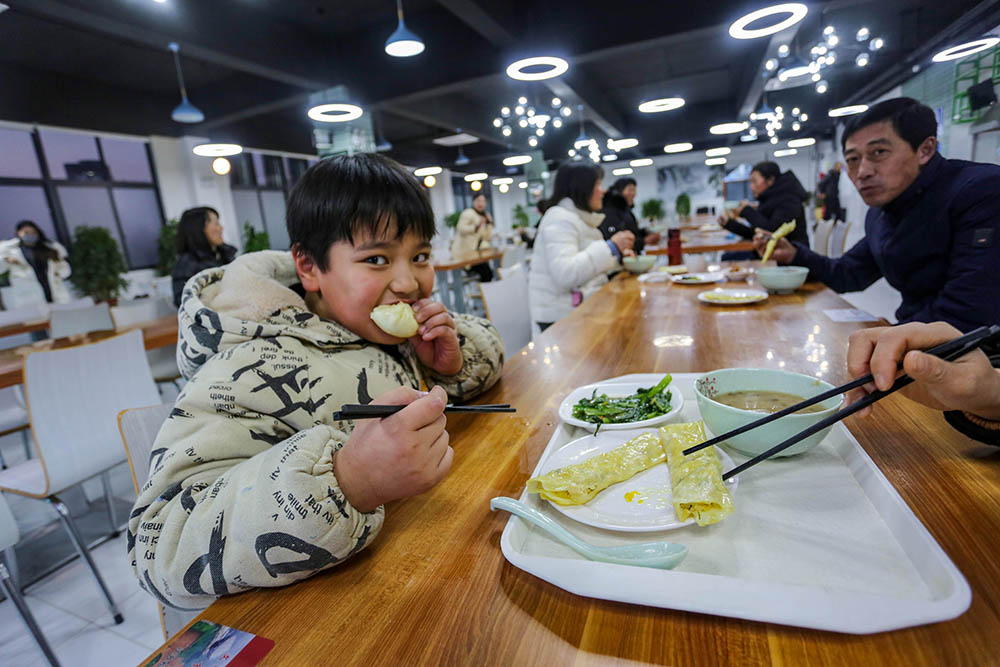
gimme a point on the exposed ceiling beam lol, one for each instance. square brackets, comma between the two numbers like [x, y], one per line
[473, 16]
[755, 85]
[437, 121]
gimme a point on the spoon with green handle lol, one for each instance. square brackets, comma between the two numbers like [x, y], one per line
[662, 555]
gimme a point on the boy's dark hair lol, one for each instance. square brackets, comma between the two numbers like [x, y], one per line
[768, 170]
[576, 181]
[911, 120]
[191, 231]
[339, 197]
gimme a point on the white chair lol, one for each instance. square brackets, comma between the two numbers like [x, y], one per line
[821, 236]
[513, 255]
[70, 321]
[74, 396]
[506, 303]
[9, 536]
[162, 360]
[74, 304]
[838, 239]
[139, 427]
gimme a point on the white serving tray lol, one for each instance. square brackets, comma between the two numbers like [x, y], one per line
[821, 540]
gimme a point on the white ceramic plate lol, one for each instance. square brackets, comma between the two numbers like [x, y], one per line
[615, 389]
[732, 297]
[699, 278]
[643, 503]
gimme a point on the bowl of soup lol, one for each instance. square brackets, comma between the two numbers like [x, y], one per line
[782, 279]
[733, 397]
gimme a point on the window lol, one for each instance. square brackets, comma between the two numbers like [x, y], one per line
[127, 160]
[261, 184]
[72, 156]
[19, 158]
[24, 202]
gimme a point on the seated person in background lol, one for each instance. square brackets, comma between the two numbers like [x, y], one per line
[36, 267]
[252, 481]
[781, 198]
[618, 202]
[571, 259]
[199, 246]
[933, 229]
[968, 389]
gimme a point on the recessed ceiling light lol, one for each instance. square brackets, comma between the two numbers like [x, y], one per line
[430, 181]
[501, 181]
[847, 111]
[678, 148]
[335, 113]
[621, 171]
[963, 50]
[622, 144]
[221, 166]
[478, 176]
[748, 137]
[716, 152]
[523, 185]
[641, 162]
[796, 12]
[728, 128]
[801, 143]
[785, 152]
[427, 171]
[515, 160]
[661, 104]
[556, 67]
[715, 160]
[217, 150]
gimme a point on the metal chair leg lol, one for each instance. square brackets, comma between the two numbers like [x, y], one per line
[10, 559]
[81, 548]
[109, 498]
[26, 438]
[26, 616]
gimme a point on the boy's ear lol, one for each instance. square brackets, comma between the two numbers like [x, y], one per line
[307, 269]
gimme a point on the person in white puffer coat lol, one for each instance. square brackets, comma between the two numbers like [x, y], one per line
[571, 259]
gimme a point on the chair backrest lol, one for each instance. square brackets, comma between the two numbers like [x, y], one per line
[821, 236]
[139, 427]
[74, 396]
[141, 310]
[9, 535]
[506, 303]
[33, 313]
[74, 304]
[838, 239]
[70, 321]
[513, 255]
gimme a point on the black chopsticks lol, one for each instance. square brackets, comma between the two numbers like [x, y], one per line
[949, 351]
[373, 411]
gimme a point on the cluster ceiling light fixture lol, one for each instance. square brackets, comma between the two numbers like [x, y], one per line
[185, 112]
[403, 43]
[962, 50]
[768, 122]
[533, 119]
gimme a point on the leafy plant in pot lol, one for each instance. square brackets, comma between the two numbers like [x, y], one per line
[166, 248]
[652, 210]
[683, 206]
[254, 240]
[97, 264]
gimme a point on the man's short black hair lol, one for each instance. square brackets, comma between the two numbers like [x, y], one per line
[910, 119]
[341, 196]
[574, 180]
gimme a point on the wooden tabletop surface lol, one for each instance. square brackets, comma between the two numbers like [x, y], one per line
[155, 333]
[434, 588]
[24, 327]
[449, 263]
[698, 241]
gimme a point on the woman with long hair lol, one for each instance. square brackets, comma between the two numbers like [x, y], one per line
[571, 258]
[199, 246]
[36, 267]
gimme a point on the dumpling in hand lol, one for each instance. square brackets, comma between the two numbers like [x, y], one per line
[396, 320]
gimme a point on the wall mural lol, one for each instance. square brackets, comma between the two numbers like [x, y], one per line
[703, 184]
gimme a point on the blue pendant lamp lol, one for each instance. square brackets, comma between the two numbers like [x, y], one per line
[403, 43]
[185, 112]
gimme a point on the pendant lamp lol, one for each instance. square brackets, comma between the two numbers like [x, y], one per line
[403, 43]
[185, 112]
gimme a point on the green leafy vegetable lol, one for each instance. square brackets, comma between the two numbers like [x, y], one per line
[643, 404]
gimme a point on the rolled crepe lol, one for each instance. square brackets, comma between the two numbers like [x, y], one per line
[772, 243]
[699, 491]
[396, 320]
[578, 483]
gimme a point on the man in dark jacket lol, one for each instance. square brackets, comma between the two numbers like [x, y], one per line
[618, 202]
[933, 229]
[830, 188]
[780, 197]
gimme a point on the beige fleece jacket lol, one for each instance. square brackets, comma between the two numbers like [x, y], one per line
[241, 491]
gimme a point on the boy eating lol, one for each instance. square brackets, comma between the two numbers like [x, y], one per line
[252, 482]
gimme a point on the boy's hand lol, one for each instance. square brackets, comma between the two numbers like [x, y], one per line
[436, 342]
[399, 456]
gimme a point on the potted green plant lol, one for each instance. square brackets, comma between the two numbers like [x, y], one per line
[451, 220]
[683, 206]
[97, 263]
[652, 210]
[254, 240]
[166, 248]
[521, 218]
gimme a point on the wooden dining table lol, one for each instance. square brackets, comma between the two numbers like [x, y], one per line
[155, 333]
[434, 587]
[698, 241]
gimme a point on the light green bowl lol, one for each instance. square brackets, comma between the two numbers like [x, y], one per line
[639, 263]
[782, 279]
[721, 418]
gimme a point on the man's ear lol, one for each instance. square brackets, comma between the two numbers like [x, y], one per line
[307, 269]
[926, 150]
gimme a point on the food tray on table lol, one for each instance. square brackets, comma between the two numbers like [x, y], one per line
[821, 540]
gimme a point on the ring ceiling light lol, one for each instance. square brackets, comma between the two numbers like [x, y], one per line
[678, 148]
[515, 160]
[217, 150]
[478, 176]
[502, 181]
[801, 143]
[622, 144]
[963, 50]
[796, 12]
[662, 104]
[556, 67]
[728, 128]
[335, 113]
[786, 152]
[427, 171]
[847, 111]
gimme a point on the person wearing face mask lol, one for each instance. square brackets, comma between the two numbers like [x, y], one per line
[36, 267]
[199, 247]
[933, 229]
